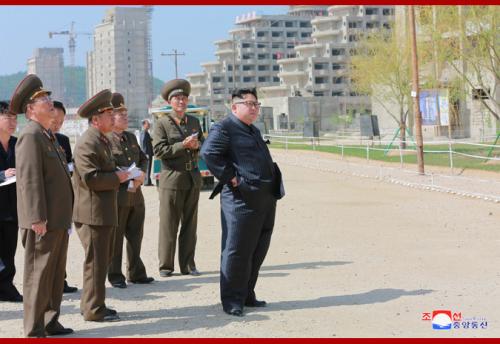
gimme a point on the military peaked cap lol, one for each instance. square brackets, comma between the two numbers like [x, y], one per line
[59, 105]
[4, 107]
[27, 90]
[175, 87]
[96, 105]
[118, 101]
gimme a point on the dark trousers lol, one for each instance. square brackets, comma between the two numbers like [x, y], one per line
[8, 245]
[96, 242]
[178, 206]
[246, 235]
[130, 227]
[43, 283]
[148, 173]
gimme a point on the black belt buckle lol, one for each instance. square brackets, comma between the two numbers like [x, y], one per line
[189, 166]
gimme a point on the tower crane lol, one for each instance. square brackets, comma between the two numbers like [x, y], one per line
[70, 90]
[72, 40]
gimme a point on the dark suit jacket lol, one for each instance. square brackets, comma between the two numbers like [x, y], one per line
[146, 143]
[235, 149]
[65, 145]
[44, 190]
[8, 200]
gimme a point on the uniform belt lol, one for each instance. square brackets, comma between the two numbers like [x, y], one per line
[187, 166]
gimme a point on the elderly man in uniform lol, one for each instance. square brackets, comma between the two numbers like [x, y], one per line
[250, 184]
[176, 142]
[44, 205]
[131, 210]
[8, 210]
[96, 182]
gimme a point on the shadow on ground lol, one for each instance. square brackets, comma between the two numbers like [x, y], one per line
[163, 321]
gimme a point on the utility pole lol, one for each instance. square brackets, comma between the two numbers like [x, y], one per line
[415, 91]
[174, 54]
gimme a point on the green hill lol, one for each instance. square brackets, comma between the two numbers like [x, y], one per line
[8, 83]
[76, 92]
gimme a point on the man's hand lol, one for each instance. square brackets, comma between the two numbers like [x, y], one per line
[191, 142]
[139, 180]
[122, 175]
[10, 172]
[39, 228]
[234, 182]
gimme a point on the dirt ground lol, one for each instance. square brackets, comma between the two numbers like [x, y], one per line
[350, 257]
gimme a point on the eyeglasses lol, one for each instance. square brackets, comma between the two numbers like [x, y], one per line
[180, 97]
[249, 104]
[121, 114]
[8, 117]
[46, 99]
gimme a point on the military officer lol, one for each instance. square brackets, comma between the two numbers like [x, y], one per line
[96, 182]
[44, 204]
[131, 210]
[176, 142]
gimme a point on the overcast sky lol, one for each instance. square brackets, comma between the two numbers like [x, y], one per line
[189, 29]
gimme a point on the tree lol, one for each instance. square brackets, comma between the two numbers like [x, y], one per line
[381, 69]
[466, 45]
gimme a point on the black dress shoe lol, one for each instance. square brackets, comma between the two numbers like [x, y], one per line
[108, 318]
[166, 273]
[237, 312]
[255, 303]
[145, 280]
[12, 298]
[68, 289]
[193, 272]
[110, 311]
[60, 331]
[121, 284]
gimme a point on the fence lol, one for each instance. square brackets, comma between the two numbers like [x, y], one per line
[480, 154]
[455, 152]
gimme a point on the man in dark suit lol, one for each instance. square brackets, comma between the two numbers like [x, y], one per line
[63, 140]
[8, 210]
[250, 184]
[147, 148]
[44, 206]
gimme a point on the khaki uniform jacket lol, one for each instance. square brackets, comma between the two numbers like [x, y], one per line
[126, 151]
[95, 181]
[43, 187]
[175, 159]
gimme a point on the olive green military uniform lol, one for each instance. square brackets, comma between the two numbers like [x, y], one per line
[44, 193]
[95, 212]
[179, 189]
[131, 211]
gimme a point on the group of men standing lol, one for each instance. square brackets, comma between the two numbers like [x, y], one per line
[106, 205]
